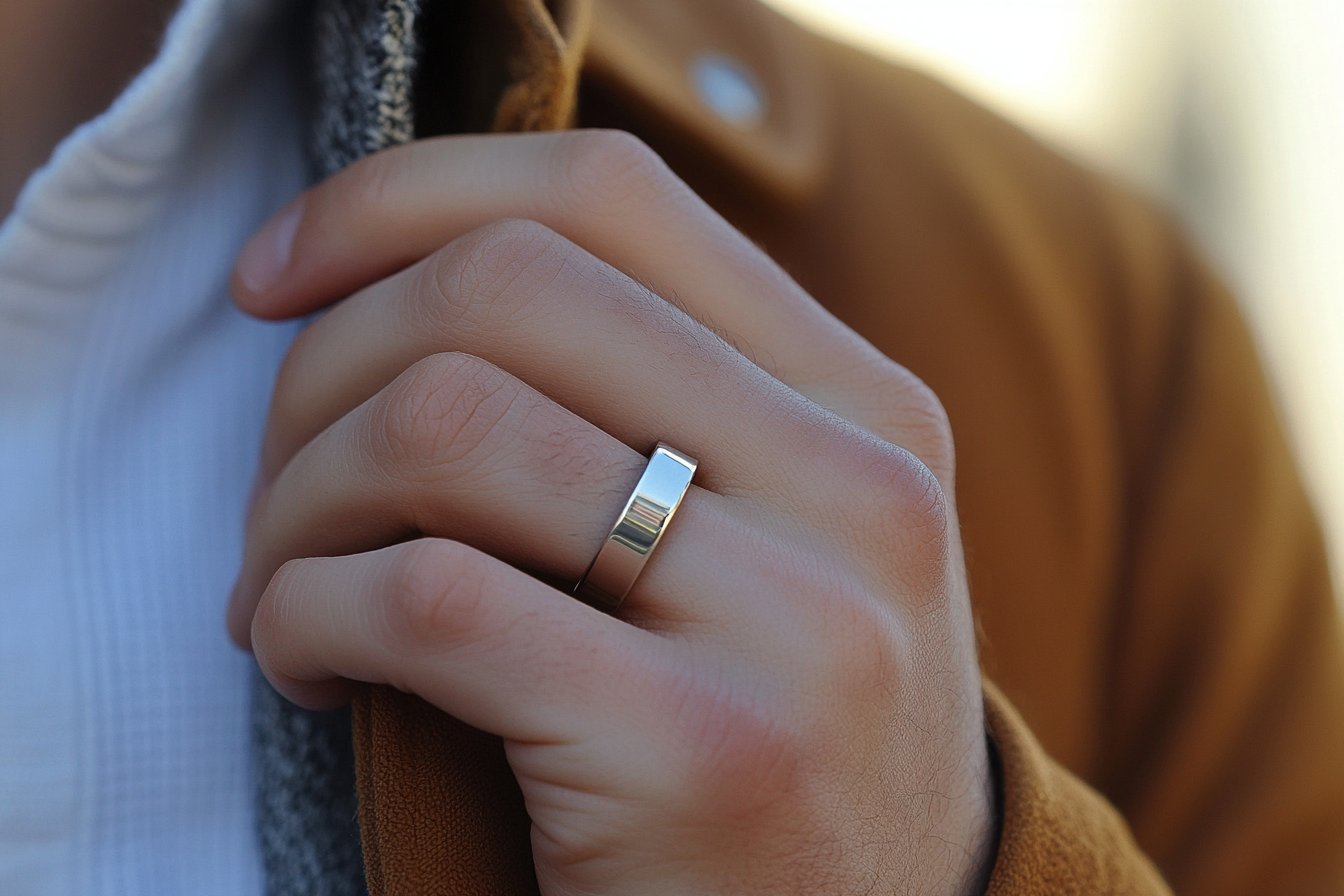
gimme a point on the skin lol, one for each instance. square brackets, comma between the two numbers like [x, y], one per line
[789, 699]
[61, 63]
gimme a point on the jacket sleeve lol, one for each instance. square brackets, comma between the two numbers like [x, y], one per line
[1057, 834]
[1224, 750]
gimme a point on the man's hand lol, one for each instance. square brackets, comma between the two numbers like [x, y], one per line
[789, 700]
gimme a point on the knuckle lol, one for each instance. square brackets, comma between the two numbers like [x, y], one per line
[912, 415]
[434, 594]
[496, 270]
[440, 413]
[609, 170]
[905, 496]
[929, 423]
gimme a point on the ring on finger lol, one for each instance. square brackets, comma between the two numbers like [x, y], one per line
[637, 529]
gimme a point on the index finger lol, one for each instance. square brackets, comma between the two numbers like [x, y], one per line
[611, 195]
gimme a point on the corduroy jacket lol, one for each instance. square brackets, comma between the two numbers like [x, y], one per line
[1161, 651]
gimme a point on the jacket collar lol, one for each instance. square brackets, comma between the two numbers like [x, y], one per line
[658, 55]
[653, 57]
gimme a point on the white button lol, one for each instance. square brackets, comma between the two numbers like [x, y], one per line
[729, 89]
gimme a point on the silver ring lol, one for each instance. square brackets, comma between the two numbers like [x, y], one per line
[638, 529]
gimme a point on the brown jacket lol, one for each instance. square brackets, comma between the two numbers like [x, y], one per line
[1163, 662]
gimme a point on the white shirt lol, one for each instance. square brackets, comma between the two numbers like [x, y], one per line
[132, 399]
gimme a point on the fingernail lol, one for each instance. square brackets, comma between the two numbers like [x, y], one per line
[266, 255]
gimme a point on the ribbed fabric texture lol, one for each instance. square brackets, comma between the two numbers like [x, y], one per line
[133, 396]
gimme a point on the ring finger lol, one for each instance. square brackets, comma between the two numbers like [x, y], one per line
[457, 448]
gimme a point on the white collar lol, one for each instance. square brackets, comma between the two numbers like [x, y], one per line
[111, 173]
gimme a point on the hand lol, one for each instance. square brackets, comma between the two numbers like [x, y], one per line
[789, 700]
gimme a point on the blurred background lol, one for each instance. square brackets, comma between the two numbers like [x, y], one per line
[1232, 111]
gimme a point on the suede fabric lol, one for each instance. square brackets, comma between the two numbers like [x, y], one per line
[1161, 650]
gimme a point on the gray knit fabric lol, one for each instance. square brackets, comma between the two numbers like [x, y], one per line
[364, 56]
[365, 53]
[307, 824]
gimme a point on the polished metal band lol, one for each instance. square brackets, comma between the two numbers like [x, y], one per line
[641, 524]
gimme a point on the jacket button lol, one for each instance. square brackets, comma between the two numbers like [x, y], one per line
[729, 89]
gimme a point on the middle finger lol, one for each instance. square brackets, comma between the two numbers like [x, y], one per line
[526, 299]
